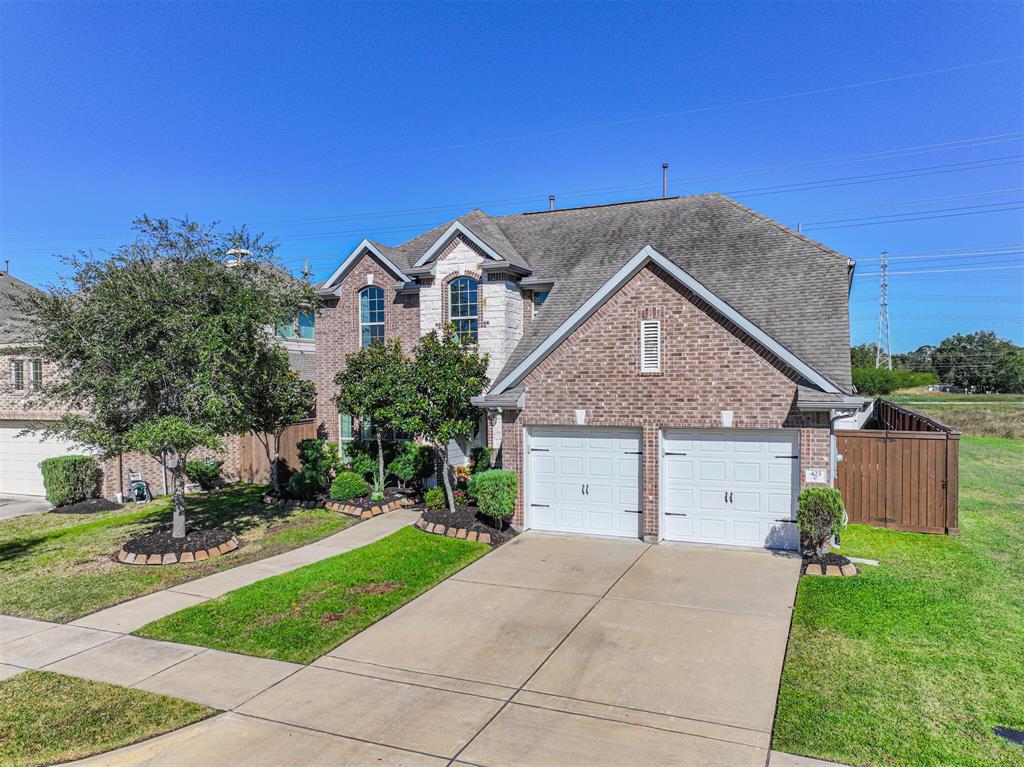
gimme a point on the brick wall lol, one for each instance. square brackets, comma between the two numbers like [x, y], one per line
[24, 404]
[337, 332]
[708, 365]
[152, 471]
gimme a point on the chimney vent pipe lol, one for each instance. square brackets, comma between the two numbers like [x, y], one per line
[551, 202]
[664, 179]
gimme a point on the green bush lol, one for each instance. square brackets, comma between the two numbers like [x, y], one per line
[495, 492]
[819, 516]
[434, 498]
[361, 457]
[411, 463]
[320, 463]
[481, 459]
[203, 473]
[873, 381]
[348, 485]
[70, 478]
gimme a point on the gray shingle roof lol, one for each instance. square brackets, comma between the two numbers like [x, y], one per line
[14, 327]
[793, 288]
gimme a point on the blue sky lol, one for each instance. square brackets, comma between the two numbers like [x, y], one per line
[323, 123]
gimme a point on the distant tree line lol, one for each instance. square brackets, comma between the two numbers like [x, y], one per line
[975, 362]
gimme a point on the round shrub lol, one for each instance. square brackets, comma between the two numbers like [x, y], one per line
[495, 491]
[819, 516]
[70, 478]
[434, 498]
[412, 462]
[304, 486]
[204, 473]
[348, 485]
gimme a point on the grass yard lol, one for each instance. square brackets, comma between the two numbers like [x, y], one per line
[58, 566]
[913, 662]
[300, 615]
[988, 415]
[47, 717]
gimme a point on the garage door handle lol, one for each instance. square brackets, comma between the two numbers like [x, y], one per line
[674, 514]
[632, 511]
[539, 450]
[668, 453]
[786, 456]
[791, 521]
[541, 505]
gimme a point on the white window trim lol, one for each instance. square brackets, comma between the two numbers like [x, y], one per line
[18, 371]
[452, 319]
[362, 324]
[35, 372]
[650, 336]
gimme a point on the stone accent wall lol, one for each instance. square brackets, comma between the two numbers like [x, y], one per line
[337, 331]
[708, 365]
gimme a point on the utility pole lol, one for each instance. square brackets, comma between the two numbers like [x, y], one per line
[883, 345]
[306, 271]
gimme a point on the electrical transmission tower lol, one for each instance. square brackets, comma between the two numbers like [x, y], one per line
[883, 346]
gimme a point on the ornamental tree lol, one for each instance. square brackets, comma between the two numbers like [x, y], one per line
[278, 399]
[376, 386]
[158, 343]
[447, 373]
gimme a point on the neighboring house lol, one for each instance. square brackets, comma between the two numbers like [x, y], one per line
[21, 408]
[665, 369]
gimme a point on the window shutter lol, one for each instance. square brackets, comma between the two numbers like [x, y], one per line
[650, 346]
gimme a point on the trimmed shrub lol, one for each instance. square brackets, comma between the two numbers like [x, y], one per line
[480, 457]
[320, 464]
[361, 457]
[819, 516]
[495, 492]
[412, 463]
[304, 486]
[204, 473]
[348, 485]
[70, 478]
[434, 498]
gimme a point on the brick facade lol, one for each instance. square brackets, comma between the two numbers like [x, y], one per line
[337, 332]
[708, 366]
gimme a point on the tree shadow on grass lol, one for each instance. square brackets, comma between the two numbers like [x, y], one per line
[236, 509]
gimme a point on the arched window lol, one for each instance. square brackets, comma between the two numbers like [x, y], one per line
[462, 307]
[371, 315]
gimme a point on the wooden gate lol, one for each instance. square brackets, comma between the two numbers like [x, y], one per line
[253, 463]
[903, 480]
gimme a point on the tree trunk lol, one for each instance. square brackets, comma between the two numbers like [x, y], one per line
[178, 500]
[447, 479]
[380, 464]
[274, 481]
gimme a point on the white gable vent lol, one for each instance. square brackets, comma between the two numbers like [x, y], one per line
[650, 346]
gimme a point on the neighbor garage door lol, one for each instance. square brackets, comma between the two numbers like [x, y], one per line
[20, 457]
[584, 481]
[731, 487]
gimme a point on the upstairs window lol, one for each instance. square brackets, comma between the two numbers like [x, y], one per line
[539, 297]
[36, 366]
[462, 303]
[650, 346]
[371, 315]
[301, 326]
[18, 375]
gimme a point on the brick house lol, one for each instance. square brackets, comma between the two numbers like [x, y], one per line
[21, 408]
[667, 369]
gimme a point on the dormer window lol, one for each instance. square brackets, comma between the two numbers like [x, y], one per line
[463, 311]
[371, 315]
[539, 297]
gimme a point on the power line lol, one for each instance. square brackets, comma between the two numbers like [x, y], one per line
[934, 271]
[915, 218]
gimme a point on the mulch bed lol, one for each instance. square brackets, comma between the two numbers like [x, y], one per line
[88, 506]
[390, 494]
[159, 548]
[364, 508]
[820, 565]
[470, 519]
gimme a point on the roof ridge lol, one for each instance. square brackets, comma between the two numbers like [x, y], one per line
[606, 205]
[768, 219]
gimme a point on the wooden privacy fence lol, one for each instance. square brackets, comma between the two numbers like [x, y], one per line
[252, 459]
[903, 475]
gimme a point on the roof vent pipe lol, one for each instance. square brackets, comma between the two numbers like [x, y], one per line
[7, 267]
[551, 202]
[664, 179]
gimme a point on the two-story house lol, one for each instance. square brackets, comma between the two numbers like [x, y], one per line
[665, 369]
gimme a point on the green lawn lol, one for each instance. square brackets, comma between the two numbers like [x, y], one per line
[47, 717]
[300, 615]
[988, 415]
[914, 661]
[58, 566]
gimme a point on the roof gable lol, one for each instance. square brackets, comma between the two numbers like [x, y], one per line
[363, 248]
[648, 255]
[457, 229]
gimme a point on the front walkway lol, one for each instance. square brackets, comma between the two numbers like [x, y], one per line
[550, 651]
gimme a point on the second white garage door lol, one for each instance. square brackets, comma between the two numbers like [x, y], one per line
[584, 481]
[731, 487]
[20, 457]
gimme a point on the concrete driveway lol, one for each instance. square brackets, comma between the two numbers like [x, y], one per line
[550, 651]
[21, 505]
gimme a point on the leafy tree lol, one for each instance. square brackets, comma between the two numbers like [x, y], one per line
[872, 380]
[377, 386]
[863, 356]
[918, 361]
[977, 361]
[156, 343]
[447, 374]
[278, 399]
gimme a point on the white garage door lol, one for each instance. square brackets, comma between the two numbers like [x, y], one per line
[731, 487]
[584, 481]
[20, 457]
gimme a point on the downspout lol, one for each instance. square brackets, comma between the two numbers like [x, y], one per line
[834, 454]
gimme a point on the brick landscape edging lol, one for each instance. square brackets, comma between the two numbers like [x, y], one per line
[344, 508]
[127, 558]
[436, 528]
[831, 570]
